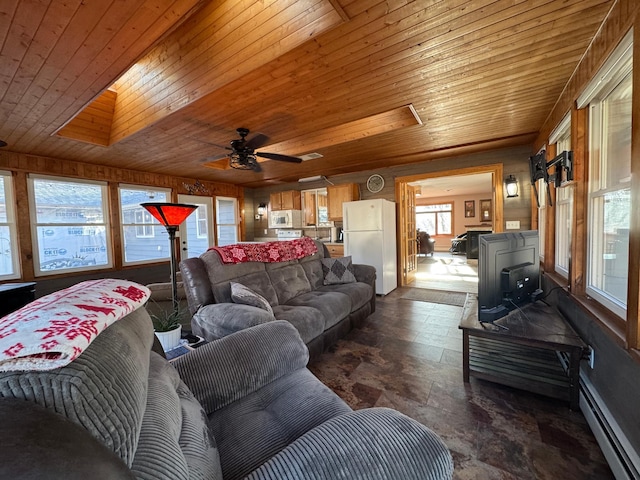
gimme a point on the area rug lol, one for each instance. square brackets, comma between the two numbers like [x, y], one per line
[435, 296]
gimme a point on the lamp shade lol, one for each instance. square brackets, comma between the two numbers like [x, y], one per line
[169, 214]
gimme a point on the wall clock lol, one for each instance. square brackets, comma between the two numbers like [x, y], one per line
[375, 183]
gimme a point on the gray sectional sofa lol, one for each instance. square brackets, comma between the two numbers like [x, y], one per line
[244, 406]
[295, 290]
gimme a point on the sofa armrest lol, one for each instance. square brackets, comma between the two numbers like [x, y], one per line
[365, 273]
[228, 369]
[195, 280]
[374, 443]
[221, 319]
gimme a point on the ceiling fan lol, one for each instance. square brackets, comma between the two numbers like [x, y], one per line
[243, 154]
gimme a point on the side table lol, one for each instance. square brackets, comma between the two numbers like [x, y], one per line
[538, 351]
[15, 295]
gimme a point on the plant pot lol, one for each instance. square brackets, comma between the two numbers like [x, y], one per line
[171, 339]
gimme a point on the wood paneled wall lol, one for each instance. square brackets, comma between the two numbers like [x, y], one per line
[514, 160]
[22, 165]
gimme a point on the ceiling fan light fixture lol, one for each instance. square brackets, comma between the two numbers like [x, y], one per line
[243, 162]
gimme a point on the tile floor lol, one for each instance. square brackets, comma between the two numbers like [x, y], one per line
[408, 356]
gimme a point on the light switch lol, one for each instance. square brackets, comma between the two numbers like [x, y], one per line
[513, 224]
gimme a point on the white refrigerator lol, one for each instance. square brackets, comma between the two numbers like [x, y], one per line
[370, 238]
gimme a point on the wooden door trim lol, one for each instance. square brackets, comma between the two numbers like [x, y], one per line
[496, 169]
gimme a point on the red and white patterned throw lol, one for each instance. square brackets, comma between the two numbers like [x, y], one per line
[267, 251]
[53, 330]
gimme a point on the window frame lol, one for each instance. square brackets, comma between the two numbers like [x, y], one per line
[219, 224]
[563, 205]
[33, 212]
[616, 70]
[202, 216]
[10, 223]
[145, 227]
[152, 193]
[437, 214]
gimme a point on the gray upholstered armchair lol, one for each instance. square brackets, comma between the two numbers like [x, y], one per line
[244, 406]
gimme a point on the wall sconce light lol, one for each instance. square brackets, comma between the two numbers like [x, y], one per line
[511, 184]
[262, 209]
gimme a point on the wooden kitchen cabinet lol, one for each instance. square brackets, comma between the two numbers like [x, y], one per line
[309, 208]
[287, 200]
[337, 195]
[336, 250]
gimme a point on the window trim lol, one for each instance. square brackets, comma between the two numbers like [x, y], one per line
[561, 135]
[202, 217]
[31, 178]
[436, 212]
[217, 222]
[10, 203]
[618, 68]
[154, 223]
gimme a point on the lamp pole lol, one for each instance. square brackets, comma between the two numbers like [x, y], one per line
[171, 215]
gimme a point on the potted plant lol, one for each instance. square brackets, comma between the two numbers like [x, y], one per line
[167, 327]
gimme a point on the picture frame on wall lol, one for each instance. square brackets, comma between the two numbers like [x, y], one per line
[485, 210]
[469, 208]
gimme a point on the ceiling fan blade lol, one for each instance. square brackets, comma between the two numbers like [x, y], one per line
[279, 157]
[256, 167]
[258, 140]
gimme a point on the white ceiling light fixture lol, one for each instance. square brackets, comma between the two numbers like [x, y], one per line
[310, 179]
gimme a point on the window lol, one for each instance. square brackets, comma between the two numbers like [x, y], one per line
[564, 204]
[9, 261]
[70, 225]
[226, 221]
[144, 240]
[144, 221]
[541, 188]
[202, 224]
[609, 184]
[434, 219]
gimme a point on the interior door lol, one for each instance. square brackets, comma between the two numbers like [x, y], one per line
[196, 232]
[408, 234]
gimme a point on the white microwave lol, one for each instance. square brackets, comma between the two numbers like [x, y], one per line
[285, 219]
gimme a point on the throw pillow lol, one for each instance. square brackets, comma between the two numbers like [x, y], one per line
[246, 296]
[338, 270]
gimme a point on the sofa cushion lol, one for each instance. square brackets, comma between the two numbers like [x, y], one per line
[359, 293]
[288, 280]
[259, 282]
[174, 424]
[246, 296]
[271, 418]
[313, 270]
[309, 321]
[338, 270]
[221, 319]
[334, 305]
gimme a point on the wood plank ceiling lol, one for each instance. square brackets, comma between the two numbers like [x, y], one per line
[161, 85]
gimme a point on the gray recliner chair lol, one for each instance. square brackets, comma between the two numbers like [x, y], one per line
[244, 406]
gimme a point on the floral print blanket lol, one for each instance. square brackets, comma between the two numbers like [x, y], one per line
[281, 251]
[53, 330]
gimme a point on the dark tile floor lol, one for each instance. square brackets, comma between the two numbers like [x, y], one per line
[408, 356]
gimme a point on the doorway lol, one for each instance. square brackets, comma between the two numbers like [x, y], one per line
[196, 232]
[444, 270]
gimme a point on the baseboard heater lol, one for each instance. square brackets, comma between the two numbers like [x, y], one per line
[619, 452]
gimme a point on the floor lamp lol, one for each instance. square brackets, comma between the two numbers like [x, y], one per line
[171, 215]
